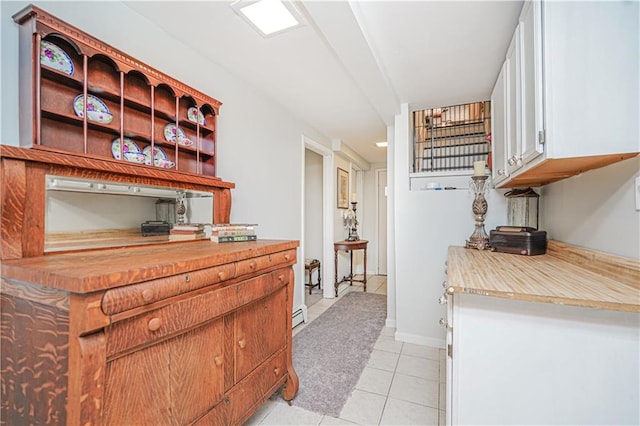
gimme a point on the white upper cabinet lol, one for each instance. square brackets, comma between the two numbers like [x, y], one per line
[498, 129]
[572, 90]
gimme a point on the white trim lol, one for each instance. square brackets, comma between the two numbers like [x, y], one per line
[420, 340]
[377, 224]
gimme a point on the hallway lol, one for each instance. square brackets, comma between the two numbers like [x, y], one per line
[402, 383]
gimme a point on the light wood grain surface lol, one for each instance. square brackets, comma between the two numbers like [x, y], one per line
[546, 278]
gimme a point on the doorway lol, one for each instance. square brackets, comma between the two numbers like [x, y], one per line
[381, 219]
[313, 226]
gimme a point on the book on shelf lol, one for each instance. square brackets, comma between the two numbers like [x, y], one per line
[233, 238]
[186, 237]
[233, 232]
[197, 227]
[233, 226]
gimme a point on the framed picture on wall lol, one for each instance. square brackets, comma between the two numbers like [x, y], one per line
[343, 189]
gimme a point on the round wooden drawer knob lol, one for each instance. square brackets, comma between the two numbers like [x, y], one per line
[147, 295]
[281, 277]
[218, 360]
[221, 275]
[154, 324]
[276, 371]
[242, 343]
[252, 265]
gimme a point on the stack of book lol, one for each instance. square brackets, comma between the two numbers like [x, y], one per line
[186, 231]
[233, 232]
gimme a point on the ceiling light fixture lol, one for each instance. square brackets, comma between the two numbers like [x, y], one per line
[268, 17]
[381, 144]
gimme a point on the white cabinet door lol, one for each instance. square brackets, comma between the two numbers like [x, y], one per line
[592, 93]
[498, 129]
[532, 125]
[513, 84]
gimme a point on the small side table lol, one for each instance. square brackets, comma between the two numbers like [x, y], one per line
[350, 246]
[311, 265]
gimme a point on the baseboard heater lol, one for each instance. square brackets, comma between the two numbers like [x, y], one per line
[298, 317]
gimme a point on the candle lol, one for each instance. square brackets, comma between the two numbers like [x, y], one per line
[479, 168]
[353, 197]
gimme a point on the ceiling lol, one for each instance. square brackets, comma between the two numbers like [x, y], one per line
[348, 70]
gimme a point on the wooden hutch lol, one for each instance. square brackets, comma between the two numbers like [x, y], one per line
[136, 331]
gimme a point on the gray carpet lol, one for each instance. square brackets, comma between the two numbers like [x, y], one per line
[330, 353]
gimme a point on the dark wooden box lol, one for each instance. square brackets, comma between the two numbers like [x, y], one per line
[524, 241]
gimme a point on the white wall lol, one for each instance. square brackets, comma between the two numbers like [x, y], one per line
[258, 141]
[595, 209]
[426, 224]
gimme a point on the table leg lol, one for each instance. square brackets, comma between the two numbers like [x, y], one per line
[350, 267]
[335, 252]
[365, 269]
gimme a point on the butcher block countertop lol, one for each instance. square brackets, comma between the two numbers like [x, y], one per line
[567, 275]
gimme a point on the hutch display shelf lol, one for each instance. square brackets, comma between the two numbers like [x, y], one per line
[83, 96]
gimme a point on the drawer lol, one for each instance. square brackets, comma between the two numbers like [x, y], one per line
[132, 296]
[250, 266]
[188, 313]
[256, 388]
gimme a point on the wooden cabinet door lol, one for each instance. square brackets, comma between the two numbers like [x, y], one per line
[137, 388]
[197, 378]
[171, 382]
[260, 331]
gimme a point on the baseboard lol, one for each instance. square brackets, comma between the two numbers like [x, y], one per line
[421, 340]
[299, 315]
[391, 323]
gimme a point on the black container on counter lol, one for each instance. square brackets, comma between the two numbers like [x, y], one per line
[518, 240]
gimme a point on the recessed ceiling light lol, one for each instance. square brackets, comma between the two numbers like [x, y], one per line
[268, 17]
[381, 144]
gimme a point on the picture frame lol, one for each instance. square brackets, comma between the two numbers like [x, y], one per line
[342, 189]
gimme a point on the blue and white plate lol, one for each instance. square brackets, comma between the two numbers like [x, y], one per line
[55, 57]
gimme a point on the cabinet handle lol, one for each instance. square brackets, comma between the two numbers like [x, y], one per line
[444, 284]
[276, 371]
[442, 300]
[221, 275]
[443, 322]
[512, 160]
[281, 277]
[287, 256]
[154, 324]
[242, 343]
[519, 161]
[218, 360]
[252, 265]
[501, 172]
[187, 278]
[147, 295]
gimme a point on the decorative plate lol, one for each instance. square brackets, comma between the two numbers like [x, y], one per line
[159, 159]
[173, 133]
[194, 112]
[96, 109]
[127, 146]
[55, 57]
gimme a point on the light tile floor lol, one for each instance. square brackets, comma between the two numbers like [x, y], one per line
[402, 383]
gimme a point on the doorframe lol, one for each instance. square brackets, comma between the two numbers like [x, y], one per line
[328, 183]
[377, 185]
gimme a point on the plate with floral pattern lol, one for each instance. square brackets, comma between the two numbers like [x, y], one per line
[127, 146]
[195, 116]
[159, 158]
[173, 133]
[53, 56]
[96, 109]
